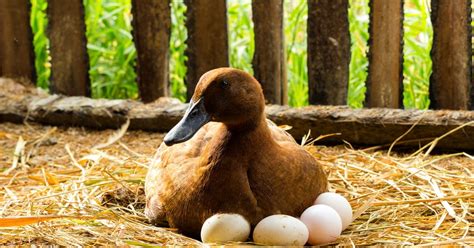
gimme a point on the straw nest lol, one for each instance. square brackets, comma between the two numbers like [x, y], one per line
[77, 187]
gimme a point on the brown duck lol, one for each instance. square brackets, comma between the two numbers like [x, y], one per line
[225, 157]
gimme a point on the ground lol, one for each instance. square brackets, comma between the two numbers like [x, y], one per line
[74, 186]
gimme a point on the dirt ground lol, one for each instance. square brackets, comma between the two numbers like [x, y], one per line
[88, 184]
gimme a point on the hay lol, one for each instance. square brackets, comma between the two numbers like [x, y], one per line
[75, 187]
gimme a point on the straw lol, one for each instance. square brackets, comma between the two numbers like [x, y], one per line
[77, 187]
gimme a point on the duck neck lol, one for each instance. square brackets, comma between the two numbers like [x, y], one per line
[253, 131]
[233, 147]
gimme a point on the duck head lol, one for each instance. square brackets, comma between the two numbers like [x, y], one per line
[226, 95]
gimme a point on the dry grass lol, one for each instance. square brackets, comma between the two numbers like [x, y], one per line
[96, 191]
[81, 187]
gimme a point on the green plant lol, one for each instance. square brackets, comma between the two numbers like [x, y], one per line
[112, 52]
[240, 34]
[39, 23]
[417, 45]
[418, 37]
[177, 47]
[295, 15]
[359, 29]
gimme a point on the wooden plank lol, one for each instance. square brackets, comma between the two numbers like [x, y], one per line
[206, 21]
[366, 127]
[151, 33]
[269, 57]
[17, 58]
[69, 58]
[329, 51]
[385, 79]
[451, 84]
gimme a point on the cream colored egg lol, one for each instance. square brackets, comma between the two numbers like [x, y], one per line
[280, 230]
[338, 203]
[323, 222]
[221, 228]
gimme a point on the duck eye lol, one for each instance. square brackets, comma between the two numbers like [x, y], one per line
[224, 84]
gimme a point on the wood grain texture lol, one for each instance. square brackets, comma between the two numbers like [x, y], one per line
[151, 34]
[451, 85]
[269, 62]
[206, 21]
[329, 50]
[17, 59]
[385, 79]
[69, 58]
[365, 127]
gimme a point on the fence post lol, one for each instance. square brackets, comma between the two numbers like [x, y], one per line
[451, 85]
[385, 79]
[69, 58]
[151, 34]
[268, 62]
[329, 51]
[17, 58]
[206, 21]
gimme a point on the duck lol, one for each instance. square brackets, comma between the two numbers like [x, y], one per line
[224, 156]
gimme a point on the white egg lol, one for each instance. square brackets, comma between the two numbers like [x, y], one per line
[323, 222]
[280, 230]
[338, 203]
[221, 228]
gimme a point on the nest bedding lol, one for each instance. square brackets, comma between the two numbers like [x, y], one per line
[73, 186]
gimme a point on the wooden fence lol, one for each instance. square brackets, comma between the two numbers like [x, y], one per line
[451, 84]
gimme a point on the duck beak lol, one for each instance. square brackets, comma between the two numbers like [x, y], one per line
[194, 118]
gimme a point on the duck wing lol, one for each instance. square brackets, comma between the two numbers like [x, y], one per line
[279, 134]
[285, 179]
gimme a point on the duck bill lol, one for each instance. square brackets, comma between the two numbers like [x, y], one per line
[194, 118]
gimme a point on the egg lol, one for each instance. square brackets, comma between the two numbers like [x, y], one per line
[338, 203]
[221, 228]
[280, 230]
[323, 223]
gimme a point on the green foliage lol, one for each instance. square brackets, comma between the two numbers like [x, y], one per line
[177, 48]
[296, 13]
[241, 35]
[359, 29]
[111, 50]
[39, 24]
[418, 37]
[112, 53]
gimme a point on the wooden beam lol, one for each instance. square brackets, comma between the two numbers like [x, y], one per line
[385, 79]
[69, 58]
[268, 62]
[17, 58]
[365, 127]
[329, 51]
[451, 84]
[151, 33]
[206, 21]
